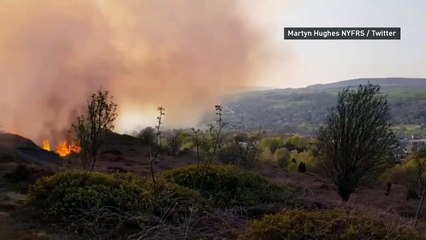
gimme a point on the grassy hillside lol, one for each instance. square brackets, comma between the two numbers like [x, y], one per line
[302, 110]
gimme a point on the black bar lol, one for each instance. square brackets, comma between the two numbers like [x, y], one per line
[334, 33]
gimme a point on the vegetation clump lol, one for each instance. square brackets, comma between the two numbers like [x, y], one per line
[63, 192]
[329, 224]
[356, 143]
[109, 204]
[91, 128]
[282, 157]
[147, 136]
[228, 185]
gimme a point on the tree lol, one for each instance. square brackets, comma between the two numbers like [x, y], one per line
[91, 128]
[147, 136]
[215, 131]
[356, 142]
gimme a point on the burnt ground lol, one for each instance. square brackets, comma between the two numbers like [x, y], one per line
[127, 154]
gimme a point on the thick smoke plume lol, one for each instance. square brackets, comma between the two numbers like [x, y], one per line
[182, 55]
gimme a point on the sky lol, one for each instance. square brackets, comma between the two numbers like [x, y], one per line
[303, 63]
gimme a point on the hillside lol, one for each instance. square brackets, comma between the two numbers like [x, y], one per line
[302, 110]
[122, 153]
[15, 147]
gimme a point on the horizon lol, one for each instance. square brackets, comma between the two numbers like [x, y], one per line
[345, 80]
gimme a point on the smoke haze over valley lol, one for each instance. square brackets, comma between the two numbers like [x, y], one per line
[183, 55]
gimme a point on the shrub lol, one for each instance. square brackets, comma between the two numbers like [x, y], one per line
[63, 192]
[404, 174]
[282, 156]
[229, 154]
[307, 157]
[147, 136]
[241, 137]
[266, 156]
[228, 185]
[297, 142]
[329, 224]
[176, 202]
[292, 166]
[271, 144]
[274, 146]
[240, 154]
[99, 204]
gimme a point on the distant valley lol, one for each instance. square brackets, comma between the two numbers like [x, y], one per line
[302, 110]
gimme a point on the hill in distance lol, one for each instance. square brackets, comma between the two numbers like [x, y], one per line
[384, 82]
[302, 110]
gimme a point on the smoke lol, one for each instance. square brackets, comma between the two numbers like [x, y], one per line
[183, 55]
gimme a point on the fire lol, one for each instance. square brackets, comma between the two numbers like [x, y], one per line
[63, 149]
[46, 145]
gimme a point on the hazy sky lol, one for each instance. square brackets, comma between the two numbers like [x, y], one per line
[305, 62]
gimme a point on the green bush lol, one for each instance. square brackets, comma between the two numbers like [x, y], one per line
[307, 157]
[228, 185]
[282, 157]
[63, 192]
[330, 224]
[266, 156]
[97, 203]
[271, 144]
[404, 174]
[292, 166]
[176, 202]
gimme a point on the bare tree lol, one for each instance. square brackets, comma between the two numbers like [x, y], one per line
[162, 112]
[197, 142]
[248, 154]
[215, 130]
[153, 155]
[356, 142]
[174, 141]
[91, 128]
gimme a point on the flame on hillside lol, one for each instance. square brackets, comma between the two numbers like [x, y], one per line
[46, 145]
[63, 149]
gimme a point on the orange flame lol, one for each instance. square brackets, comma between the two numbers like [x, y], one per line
[63, 149]
[46, 145]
